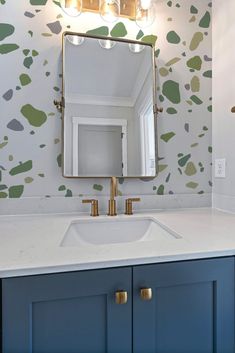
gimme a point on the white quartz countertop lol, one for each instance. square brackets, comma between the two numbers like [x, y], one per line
[32, 244]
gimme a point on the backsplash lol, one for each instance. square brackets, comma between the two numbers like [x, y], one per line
[30, 133]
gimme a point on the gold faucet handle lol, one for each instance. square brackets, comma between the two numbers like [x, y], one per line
[129, 210]
[94, 206]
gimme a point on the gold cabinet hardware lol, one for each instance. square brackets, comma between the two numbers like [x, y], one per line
[233, 109]
[94, 207]
[129, 210]
[160, 110]
[146, 293]
[121, 297]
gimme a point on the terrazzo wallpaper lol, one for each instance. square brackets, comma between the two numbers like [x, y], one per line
[30, 126]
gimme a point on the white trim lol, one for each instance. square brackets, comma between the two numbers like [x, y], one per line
[100, 100]
[76, 121]
[147, 102]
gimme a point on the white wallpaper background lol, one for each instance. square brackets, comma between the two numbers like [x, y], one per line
[30, 126]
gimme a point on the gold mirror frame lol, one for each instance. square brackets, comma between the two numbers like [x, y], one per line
[61, 104]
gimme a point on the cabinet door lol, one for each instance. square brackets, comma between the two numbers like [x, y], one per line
[67, 313]
[192, 307]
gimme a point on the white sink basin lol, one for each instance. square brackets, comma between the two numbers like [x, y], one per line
[115, 230]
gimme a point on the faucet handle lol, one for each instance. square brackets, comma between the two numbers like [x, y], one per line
[129, 210]
[94, 206]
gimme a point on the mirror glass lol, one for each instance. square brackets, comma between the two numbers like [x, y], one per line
[109, 100]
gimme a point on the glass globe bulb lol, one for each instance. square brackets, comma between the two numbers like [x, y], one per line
[136, 48]
[72, 8]
[75, 40]
[145, 13]
[106, 43]
[109, 10]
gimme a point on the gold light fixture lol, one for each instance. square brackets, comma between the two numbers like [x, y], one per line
[142, 11]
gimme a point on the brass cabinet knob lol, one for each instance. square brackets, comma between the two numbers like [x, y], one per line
[146, 293]
[128, 210]
[233, 109]
[94, 207]
[160, 110]
[121, 297]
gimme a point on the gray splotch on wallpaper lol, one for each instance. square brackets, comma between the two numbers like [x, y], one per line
[30, 126]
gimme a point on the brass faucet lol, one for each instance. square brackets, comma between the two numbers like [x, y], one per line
[113, 193]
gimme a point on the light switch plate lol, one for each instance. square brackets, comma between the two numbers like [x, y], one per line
[220, 168]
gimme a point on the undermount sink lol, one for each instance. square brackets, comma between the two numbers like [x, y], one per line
[106, 231]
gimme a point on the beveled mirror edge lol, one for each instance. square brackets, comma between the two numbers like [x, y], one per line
[155, 107]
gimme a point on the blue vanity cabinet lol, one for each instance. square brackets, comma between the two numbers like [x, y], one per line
[71, 312]
[192, 307]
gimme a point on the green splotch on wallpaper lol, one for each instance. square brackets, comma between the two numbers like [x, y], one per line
[190, 169]
[6, 30]
[25, 79]
[183, 160]
[205, 20]
[193, 9]
[38, 2]
[16, 191]
[196, 100]
[195, 63]
[192, 185]
[8, 48]
[21, 168]
[171, 111]
[150, 39]
[196, 40]
[195, 84]
[119, 30]
[171, 90]
[163, 71]
[100, 31]
[97, 187]
[173, 61]
[173, 37]
[168, 136]
[208, 74]
[34, 116]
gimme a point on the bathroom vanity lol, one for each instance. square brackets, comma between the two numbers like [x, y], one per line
[153, 295]
[191, 310]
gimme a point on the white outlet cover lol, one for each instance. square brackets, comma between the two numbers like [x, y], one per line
[220, 168]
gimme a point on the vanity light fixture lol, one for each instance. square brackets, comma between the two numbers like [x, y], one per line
[72, 8]
[141, 11]
[106, 43]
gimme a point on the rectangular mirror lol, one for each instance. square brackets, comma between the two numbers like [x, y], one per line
[109, 119]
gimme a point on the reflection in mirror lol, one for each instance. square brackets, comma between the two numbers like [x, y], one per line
[109, 95]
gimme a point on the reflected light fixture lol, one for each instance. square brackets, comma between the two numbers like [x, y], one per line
[106, 43]
[75, 40]
[109, 10]
[136, 48]
[144, 13]
[72, 8]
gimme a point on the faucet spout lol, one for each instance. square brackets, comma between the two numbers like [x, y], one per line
[113, 188]
[113, 194]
